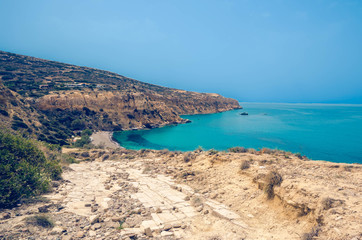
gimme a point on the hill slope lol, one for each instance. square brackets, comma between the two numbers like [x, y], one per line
[81, 97]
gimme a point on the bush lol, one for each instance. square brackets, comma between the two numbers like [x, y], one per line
[25, 171]
[78, 124]
[244, 165]
[272, 179]
[40, 220]
[238, 150]
[83, 141]
[213, 152]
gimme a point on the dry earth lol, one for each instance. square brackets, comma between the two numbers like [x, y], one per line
[122, 194]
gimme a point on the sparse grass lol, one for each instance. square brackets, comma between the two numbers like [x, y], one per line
[68, 159]
[40, 220]
[273, 178]
[244, 165]
[199, 149]
[311, 235]
[267, 151]
[238, 150]
[196, 201]
[327, 203]
[188, 157]
[129, 156]
[147, 169]
[213, 152]
[120, 225]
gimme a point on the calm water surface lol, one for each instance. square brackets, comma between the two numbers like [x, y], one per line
[329, 132]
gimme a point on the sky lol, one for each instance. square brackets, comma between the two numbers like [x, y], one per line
[258, 51]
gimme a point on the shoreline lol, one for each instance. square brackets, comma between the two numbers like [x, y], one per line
[104, 138]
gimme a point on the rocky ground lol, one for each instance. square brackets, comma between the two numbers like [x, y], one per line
[123, 194]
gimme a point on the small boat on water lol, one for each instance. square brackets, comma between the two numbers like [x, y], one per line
[244, 113]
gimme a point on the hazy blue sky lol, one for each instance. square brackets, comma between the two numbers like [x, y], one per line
[274, 51]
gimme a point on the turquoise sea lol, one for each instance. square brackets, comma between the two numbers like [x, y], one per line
[331, 132]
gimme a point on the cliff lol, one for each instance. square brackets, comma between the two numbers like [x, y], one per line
[81, 97]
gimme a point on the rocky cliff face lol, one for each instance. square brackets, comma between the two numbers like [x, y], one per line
[73, 97]
[109, 110]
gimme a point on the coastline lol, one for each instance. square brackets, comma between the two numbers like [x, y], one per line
[104, 138]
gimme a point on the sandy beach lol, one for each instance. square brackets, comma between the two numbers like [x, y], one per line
[104, 138]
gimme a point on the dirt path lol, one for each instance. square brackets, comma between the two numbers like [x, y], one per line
[120, 200]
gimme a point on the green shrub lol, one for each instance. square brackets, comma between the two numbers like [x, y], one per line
[78, 124]
[83, 141]
[25, 171]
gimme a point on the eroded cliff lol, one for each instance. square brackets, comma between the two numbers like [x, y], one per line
[73, 97]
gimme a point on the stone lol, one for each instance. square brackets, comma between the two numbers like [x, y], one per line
[116, 219]
[167, 227]
[206, 211]
[176, 225]
[213, 196]
[158, 210]
[94, 219]
[43, 209]
[148, 232]
[166, 234]
[57, 231]
[87, 205]
[111, 224]
[5, 215]
[92, 233]
[96, 226]
[80, 234]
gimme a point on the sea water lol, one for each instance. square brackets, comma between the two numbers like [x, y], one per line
[331, 132]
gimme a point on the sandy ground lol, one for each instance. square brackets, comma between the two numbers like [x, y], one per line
[104, 139]
[206, 195]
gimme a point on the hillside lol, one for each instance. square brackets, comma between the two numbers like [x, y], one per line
[64, 96]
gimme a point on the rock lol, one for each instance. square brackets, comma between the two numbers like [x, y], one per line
[112, 224]
[92, 233]
[187, 198]
[176, 225]
[125, 225]
[158, 210]
[94, 219]
[87, 205]
[199, 208]
[148, 232]
[137, 211]
[116, 219]
[96, 226]
[43, 209]
[206, 211]
[5, 215]
[167, 227]
[80, 234]
[213, 196]
[166, 234]
[57, 230]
